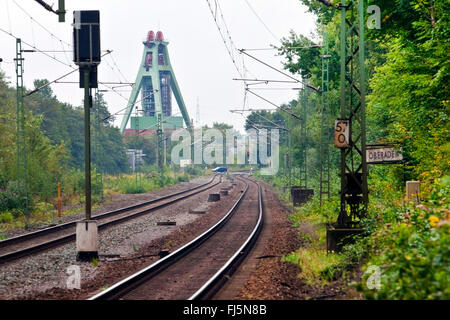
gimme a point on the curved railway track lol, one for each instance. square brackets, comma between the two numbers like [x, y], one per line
[33, 242]
[198, 269]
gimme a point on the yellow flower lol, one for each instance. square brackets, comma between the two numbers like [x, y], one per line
[433, 221]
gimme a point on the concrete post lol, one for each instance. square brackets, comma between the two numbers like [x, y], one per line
[87, 244]
[413, 191]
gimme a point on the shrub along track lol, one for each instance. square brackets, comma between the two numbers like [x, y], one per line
[30, 243]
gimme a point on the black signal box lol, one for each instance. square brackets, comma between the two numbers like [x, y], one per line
[86, 38]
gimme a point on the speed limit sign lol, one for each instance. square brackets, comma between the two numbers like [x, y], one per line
[341, 133]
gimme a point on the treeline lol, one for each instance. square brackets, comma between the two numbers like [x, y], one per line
[63, 123]
[408, 76]
[54, 144]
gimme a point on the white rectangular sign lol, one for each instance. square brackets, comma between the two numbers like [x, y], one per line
[379, 155]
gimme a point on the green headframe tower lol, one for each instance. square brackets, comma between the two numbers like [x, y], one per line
[155, 81]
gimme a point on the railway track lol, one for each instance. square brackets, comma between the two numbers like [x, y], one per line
[199, 269]
[34, 242]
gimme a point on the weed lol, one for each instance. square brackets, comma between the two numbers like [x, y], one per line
[94, 262]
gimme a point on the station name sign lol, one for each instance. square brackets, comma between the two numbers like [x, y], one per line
[383, 155]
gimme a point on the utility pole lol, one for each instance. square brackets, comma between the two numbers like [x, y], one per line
[324, 150]
[21, 136]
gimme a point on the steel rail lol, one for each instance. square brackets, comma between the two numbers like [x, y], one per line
[126, 285]
[40, 247]
[213, 285]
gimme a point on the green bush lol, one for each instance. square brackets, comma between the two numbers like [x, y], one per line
[11, 197]
[183, 178]
[6, 217]
[414, 265]
[412, 249]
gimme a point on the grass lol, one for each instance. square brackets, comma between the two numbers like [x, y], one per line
[310, 220]
[313, 261]
[94, 262]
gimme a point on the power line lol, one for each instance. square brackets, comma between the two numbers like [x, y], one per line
[56, 80]
[117, 113]
[9, 18]
[114, 61]
[229, 44]
[262, 22]
[278, 48]
[38, 50]
[266, 81]
[275, 105]
[38, 23]
[279, 71]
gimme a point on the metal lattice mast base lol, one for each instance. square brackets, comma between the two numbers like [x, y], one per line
[21, 136]
[325, 134]
[303, 135]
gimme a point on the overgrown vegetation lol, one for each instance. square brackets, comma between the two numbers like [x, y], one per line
[408, 71]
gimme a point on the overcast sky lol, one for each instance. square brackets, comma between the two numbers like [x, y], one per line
[201, 63]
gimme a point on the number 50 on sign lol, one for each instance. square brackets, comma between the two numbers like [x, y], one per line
[341, 133]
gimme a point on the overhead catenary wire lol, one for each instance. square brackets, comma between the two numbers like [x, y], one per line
[128, 106]
[57, 79]
[229, 44]
[37, 49]
[118, 69]
[270, 66]
[39, 24]
[262, 22]
[278, 48]
[275, 105]
[9, 18]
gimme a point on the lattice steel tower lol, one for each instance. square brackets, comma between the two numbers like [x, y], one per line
[354, 191]
[325, 127]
